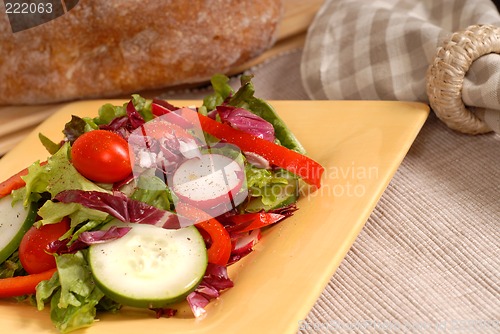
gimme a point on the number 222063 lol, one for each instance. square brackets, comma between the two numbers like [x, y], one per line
[28, 8]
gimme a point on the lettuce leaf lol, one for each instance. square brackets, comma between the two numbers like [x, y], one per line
[72, 294]
[57, 175]
[260, 178]
[75, 128]
[222, 90]
[143, 107]
[49, 145]
[153, 191]
[270, 188]
[244, 98]
[11, 267]
[54, 212]
[121, 207]
[108, 112]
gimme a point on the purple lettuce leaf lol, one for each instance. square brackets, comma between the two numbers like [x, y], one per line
[119, 125]
[214, 281]
[101, 236]
[61, 246]
[166, 312]
[121, 207]
[135, 118]
[246, 121]
[74, 128]
[124, 125]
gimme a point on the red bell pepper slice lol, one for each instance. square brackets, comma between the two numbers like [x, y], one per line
[14, 182]
[299, 164]
[251, 221]
[220, 247]
[23, 285]
[161, 107]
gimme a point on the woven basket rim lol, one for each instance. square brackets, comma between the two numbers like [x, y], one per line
[445, 75]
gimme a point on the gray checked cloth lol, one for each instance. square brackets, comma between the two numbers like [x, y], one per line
[427, 260]
[381, 49]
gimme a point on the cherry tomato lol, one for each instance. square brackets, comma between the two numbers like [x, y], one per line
[32, 250]
[101, 156]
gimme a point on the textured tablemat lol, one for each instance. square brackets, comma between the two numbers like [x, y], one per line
[428, 258]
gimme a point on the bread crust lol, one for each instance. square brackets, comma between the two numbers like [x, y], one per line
[116, 47]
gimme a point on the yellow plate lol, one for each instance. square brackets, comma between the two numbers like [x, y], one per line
[360, 144]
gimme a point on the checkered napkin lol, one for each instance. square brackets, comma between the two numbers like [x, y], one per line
[382, 49]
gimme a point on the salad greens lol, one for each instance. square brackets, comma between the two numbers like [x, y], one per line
[268, 188]
[72, 293]
[245, 98]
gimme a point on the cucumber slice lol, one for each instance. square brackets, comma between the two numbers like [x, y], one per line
[15, 220]
[149, 267]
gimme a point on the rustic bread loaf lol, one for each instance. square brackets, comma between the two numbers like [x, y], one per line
[116, 47]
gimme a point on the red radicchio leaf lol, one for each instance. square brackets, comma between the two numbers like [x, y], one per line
[121, 207]
[257, 160]
[61, 246]
[243, 244]
[214, 281]
[236, 257]
[85, 239]
[122, 183]
[197, 302]
[74, 128]
[119, 125]
[246, 121]
[136, 120]
[285, 210]
[216, 276]
[101, 236]
[164, 312]
[116, 124]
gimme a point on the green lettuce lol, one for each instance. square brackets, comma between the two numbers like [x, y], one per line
[82, 218]
[57, 175]
[49, 145]
[11, 267]
[153, 191]
[53, 212]
[108, 112]
[262, 182]
[72, 294]
[221, 91]
[244, 98]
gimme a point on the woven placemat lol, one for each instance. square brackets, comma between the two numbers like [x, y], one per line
[427, 260]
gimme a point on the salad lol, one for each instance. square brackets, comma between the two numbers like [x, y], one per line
[147, 204]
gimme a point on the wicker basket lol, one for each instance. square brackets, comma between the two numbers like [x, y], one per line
[445, 76]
